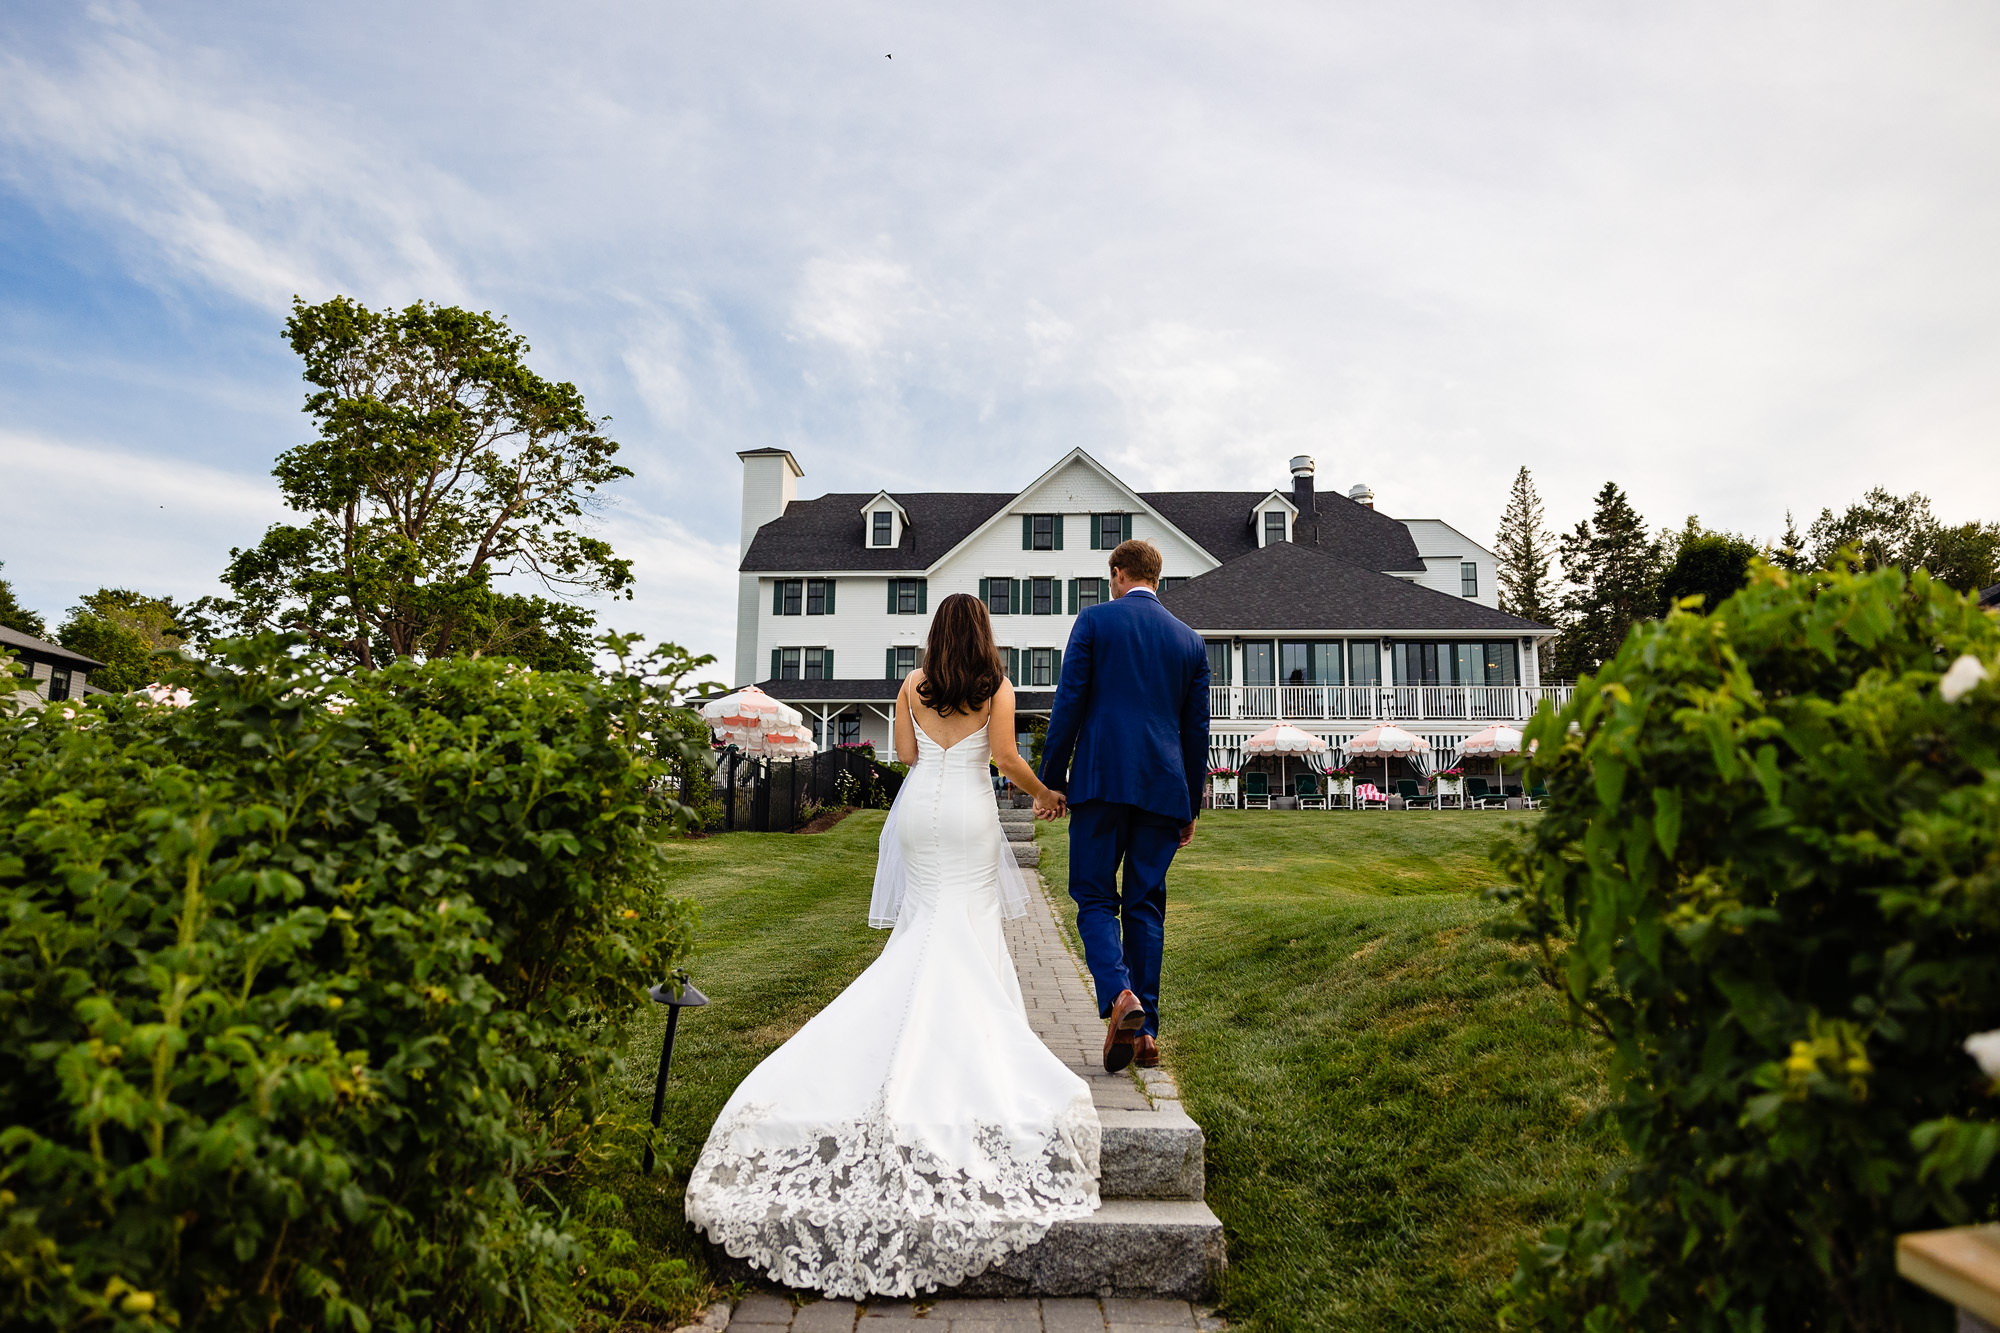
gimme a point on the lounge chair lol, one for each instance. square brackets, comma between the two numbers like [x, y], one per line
[1367, 797]
[1536, 795]
[1256, 791]
[1413, 796]
[1481, 797]
[1307, 788]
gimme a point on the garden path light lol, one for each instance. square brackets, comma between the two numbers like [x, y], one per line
[677, 995]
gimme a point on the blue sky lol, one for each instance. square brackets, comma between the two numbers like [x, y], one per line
[1735, 257]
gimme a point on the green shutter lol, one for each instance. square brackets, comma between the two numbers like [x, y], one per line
[1128, 527]
[1014, 666]
[889, 664]
[923, 595]
[1014, 598]
[777, 597]
[774, 664]
[826, 665]
[892, 597]
[1058, 528]
[985, 587]
[829, 601]
[1072, 596]
[1027, 532]
[1055, 668]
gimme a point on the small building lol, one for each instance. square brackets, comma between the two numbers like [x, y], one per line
[1318, 609]
[56, 672]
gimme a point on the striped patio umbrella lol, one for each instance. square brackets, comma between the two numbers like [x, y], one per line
[1496, 740]
[1282, 740]
[742, 719]
[1386, 740]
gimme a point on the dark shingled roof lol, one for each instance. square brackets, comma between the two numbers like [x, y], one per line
[1990, 597]
[1289, 586]
[827, 533]
[28, 643]
[1220, 522]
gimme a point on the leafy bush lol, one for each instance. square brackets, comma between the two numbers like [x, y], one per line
[1770, 878]
[304, 989]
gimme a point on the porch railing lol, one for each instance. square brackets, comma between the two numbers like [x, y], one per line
[1383, 703]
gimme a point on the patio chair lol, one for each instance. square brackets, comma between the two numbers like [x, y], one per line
[1307, 789]
[1536, 795]
[1256, 791]
[1481, 797]
[1367, 797]
[1413, 796]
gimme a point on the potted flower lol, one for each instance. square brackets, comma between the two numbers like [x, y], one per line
[1223, 782]
[1449, 782]
[1340, 780]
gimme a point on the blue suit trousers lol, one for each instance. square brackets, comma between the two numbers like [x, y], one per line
[1123, 931]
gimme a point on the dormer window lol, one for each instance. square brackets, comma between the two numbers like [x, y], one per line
[880, 532]
[883, 522]
[1274, 527]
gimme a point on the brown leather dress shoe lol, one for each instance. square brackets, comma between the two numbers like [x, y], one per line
[1145, 1051]
[1127, 1017]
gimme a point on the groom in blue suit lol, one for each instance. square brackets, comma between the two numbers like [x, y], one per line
[1128, 749]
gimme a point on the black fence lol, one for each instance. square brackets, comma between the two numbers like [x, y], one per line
[779, 795]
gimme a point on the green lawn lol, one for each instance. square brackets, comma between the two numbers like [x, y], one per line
[1386, 1115]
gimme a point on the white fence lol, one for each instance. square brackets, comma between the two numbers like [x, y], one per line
[1383, 703]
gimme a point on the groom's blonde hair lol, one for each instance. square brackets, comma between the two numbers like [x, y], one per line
[1139, 559]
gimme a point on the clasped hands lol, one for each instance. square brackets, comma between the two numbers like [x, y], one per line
[1052, 806]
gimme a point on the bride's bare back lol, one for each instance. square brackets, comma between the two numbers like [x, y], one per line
[949, 730]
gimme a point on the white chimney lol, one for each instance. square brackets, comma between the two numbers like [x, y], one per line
[770, 482]
[1361, 495]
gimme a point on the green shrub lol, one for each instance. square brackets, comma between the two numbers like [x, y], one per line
[306, 988]
[1769, 876]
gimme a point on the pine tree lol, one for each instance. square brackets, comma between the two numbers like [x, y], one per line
[1526, 551]
[1613, 570]
[1790, 552]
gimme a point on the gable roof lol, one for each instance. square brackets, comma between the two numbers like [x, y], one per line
[1289, 586]
[827, 533]
[1220, 522]
[28, 643]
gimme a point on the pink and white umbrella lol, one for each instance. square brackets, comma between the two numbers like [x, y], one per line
[744, 718]
[1496, 740]
[1282, 740]
[1386, 740]
[789, 742]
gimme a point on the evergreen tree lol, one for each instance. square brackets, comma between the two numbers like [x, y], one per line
[1526, 551]
[1790, 552]
[15, 616]
[1612, 567]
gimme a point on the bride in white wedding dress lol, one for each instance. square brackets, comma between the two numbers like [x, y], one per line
[916, 1131]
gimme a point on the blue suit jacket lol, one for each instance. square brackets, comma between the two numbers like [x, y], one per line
[1130, 721]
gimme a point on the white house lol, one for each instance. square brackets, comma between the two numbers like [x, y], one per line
[1317, 609]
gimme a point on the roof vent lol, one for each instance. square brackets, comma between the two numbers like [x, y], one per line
[1362, 495]
[1302, 464]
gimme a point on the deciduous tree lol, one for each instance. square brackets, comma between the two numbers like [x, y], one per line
[125, 630]
[1883, 529]
[1706, 562]
[442, 464]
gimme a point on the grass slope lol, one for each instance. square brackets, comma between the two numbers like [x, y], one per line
[1387, 1116]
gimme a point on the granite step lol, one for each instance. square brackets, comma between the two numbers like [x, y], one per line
[1026, 855]
[1154, 1154]
[1017, 831]
[1127, 1248]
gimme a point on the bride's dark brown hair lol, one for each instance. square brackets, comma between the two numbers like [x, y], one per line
[961, 664]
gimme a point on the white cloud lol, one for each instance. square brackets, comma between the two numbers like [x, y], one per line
[78, 517]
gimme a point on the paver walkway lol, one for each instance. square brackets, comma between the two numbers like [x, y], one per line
[1062, 1005]
[764, 1313]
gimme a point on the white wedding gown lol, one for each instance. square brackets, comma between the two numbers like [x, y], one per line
[916, 1131]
